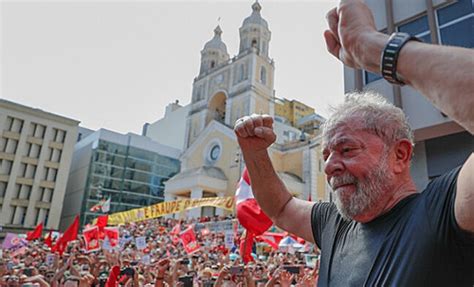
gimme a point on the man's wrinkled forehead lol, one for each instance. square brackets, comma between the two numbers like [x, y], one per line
[341, 132]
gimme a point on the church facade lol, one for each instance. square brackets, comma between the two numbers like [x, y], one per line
[225, 90]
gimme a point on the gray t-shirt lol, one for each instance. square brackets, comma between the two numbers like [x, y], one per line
[417, 243]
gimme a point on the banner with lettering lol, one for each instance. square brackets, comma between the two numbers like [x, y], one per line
[169, 207]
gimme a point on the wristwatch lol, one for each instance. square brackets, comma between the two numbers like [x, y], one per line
[388, 63]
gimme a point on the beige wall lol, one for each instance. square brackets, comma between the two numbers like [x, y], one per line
[34, 185]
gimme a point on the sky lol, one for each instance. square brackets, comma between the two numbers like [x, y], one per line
[118, 64]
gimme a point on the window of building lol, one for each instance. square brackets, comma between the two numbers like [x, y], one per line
[5, 166]
[34, 150]
[14, 124]
[263, 75]
[241, 72]
[50, 174]
[18, 215]
[37, 219]
[418, 27]
[456, 24]
[11, 146]
[23, 191]
[3, 188]
[59, 135]
[27, 170]
[3, 144]
[36, 130]
[46, 217]
[454, 11]
[45, 194]
[54, 154]
[254, 43]
[30, 171]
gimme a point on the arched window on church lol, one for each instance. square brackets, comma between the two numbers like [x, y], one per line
[241, 72]
[254, 43]
[263, 75]
[213, 64]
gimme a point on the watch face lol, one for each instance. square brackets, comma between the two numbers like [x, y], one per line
[215, 150]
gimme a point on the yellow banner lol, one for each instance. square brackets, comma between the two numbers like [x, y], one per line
[168, 207]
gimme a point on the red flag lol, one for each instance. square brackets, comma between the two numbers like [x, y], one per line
[49, 239]
[36, 233]
[91, 238]
[246, 247]
[113, 277]
[112, 233]
[69, 235]
[176, 229]
[249, 213]
[102, 223]
[188, 238]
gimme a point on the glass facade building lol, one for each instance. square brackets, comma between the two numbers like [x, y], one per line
[129, 169]
[131, 177]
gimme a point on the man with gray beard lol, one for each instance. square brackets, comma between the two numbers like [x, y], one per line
[381, 231]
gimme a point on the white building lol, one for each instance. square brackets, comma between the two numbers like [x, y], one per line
[35, 155]
[170, 129]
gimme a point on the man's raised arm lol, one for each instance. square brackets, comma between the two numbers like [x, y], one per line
[255, 134]
[444, 75]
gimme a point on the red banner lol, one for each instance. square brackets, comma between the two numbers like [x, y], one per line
[188, 238]
[91, 238]
[112, 233]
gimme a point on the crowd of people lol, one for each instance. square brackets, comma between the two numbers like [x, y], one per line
[163, 262]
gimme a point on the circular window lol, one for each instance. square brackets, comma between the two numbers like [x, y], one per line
[215, 152]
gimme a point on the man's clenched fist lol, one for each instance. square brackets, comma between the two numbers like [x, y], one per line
[255, 132]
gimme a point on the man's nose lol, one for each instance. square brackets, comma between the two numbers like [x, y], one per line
[333, 165]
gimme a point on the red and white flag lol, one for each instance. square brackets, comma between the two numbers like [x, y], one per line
[91, 238]
[175, 232]
[250, 216]
[249, 213]
[271, 238]
[188, 238]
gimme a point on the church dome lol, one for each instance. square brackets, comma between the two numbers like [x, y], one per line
[255, 17]
[216, 42]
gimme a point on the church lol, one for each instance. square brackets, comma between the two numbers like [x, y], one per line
[224, 90]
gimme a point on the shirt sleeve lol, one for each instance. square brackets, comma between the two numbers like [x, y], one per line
[440, 195]
[320, 216]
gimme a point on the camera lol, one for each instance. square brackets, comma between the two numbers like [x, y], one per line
[292, 269]
[235, 270]
[186, 280]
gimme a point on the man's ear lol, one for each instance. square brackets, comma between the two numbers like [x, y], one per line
[403, 150]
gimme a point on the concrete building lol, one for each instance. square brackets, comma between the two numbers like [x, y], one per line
[441, 144]
[35, 156]
[225, 90]
[292, 110]
[169, 129]
[127, 168]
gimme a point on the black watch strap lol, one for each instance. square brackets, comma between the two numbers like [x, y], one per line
[388, 63]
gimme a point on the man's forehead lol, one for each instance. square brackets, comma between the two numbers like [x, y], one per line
[342, 134]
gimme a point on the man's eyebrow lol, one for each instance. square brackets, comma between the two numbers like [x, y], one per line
[339, 141]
